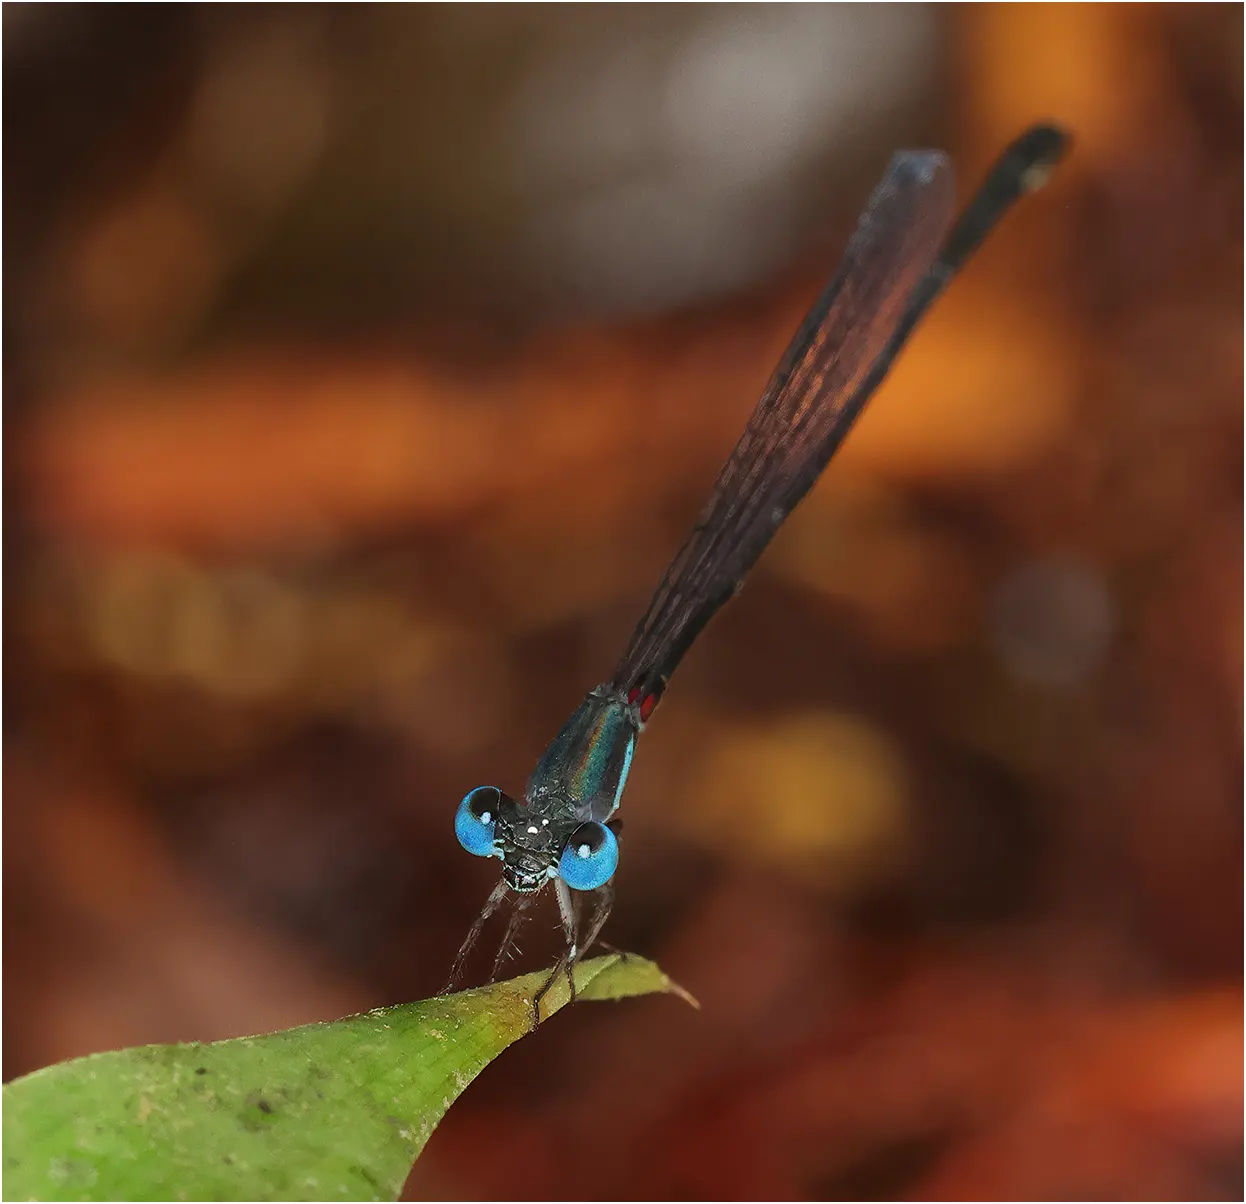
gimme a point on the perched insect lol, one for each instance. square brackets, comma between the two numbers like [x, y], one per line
[898, 261]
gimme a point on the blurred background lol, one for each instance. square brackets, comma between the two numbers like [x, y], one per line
[363, 368]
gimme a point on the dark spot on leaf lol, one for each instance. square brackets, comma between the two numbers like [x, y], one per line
[382, 1190]
[227, 1159]
[258, 1114]
[202, 1070]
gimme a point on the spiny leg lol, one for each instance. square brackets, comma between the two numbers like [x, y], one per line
[569, 910]
[508, 937]
[473, 934]
[601, 913]
[603, 902]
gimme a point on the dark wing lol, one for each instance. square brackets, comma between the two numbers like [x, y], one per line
[820, 386]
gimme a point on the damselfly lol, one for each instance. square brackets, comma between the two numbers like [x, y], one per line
[562, 830]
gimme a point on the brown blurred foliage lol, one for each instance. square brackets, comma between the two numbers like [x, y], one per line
[364, 366]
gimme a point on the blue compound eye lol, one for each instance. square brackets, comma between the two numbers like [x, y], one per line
[473, 822]
[590, 857]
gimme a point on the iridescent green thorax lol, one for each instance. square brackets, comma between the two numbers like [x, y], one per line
[582, 773]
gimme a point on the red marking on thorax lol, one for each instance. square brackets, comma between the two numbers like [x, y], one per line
[648, 702]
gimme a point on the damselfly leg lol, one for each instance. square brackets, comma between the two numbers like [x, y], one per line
[492, 903]
[518, 913]
[569, 910]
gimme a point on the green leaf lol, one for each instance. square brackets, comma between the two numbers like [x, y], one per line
[324, 1112]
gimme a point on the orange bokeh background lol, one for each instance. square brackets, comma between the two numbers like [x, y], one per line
[364, 367]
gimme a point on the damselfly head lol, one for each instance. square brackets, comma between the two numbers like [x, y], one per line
[536, 849]
[533, 848]
[529, 845]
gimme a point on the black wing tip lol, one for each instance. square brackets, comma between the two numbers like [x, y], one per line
[1030, 156]
[1045, 142]
[1036, 152]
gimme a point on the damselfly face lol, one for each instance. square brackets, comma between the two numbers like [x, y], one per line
[529, 846]
[534, 845]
